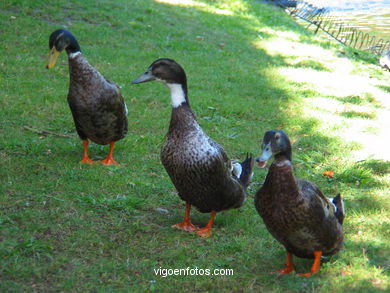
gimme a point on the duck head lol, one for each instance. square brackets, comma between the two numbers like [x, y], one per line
[60, 40]
[172, 74]
[275, 143]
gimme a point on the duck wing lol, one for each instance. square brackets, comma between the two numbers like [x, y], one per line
[310, 192]
[320, 226]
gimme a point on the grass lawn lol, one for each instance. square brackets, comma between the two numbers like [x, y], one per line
[251, 68]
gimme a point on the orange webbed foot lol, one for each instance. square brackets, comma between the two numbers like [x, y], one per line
[86, 159]
[109, 162]
[284, 271]
[185, 226]
[204, 232]
[316, 265]
[289, 265]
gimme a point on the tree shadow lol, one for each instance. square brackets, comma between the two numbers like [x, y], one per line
[363, 99]
[384, 88]
[227, 87]
[378, 167]
[358, 114]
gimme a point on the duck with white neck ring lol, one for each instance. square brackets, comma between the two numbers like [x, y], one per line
[98, 108]
[199, 168]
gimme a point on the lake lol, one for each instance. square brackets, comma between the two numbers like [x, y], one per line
[371, 17]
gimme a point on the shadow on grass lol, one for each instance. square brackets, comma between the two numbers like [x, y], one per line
[358, 114]
[384, 88]
[98, 200]
[355, 100]
[379, 167]
[311, 64]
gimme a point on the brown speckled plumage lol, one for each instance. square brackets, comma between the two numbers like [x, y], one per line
[296, 212]
[97, 105]
[198, 167]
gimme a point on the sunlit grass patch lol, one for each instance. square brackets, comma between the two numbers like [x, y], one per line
[66, 226]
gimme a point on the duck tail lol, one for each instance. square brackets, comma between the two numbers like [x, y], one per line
[340, 212]
[247, 170]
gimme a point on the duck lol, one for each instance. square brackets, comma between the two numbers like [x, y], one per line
[198, 167]
[97, 105]
[295, 211]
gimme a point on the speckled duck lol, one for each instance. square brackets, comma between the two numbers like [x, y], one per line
[295, 211]
[98, 108]
[198, 167]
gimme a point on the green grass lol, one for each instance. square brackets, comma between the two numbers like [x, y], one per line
[357, 114]
[67, 227]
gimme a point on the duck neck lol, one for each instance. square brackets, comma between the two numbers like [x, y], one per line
[82, 73]
[73, 55]
[280, 180]
[285, 155]
[78, 65]
[179, 94]
[183, 119]
[73, 47]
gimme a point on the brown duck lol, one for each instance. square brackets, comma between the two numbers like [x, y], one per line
[295, 211]
[98, 108]
[198, 167]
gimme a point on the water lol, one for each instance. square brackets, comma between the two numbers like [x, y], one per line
[371, 17]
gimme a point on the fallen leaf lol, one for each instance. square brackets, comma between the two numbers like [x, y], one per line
[345, 273]
[329, 173]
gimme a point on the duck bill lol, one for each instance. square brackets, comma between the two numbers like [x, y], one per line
[147, 76]
[261, 164]
[264, 157]
[53, 56]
